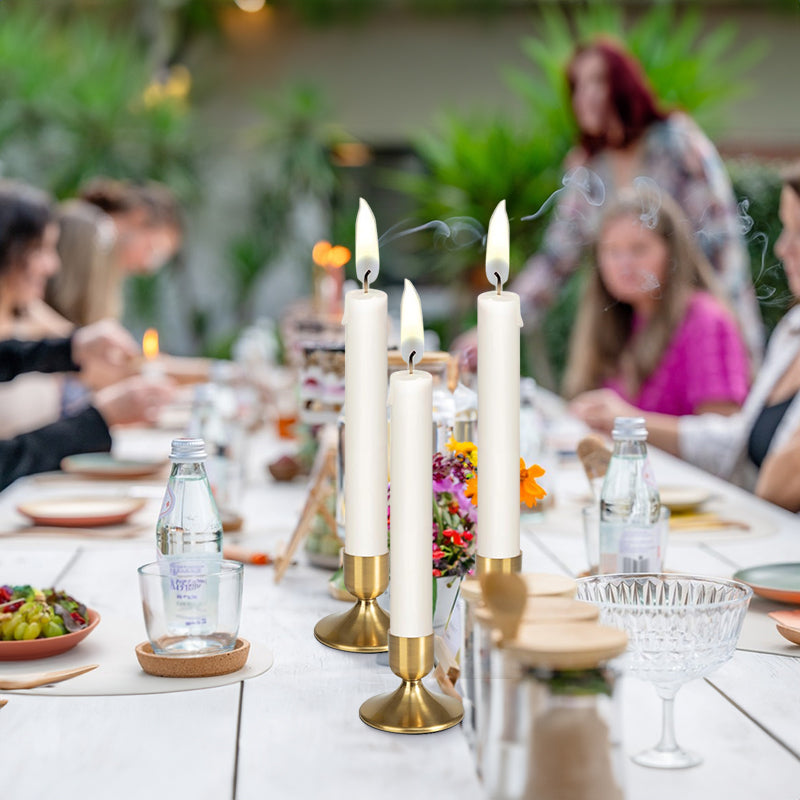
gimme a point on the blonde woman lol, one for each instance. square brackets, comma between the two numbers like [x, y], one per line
[651, 325]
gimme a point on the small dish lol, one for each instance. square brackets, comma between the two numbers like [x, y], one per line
[788, 624]
[679, 499]
[81, 512]
[43, 648]
[104, 465]
[779, 582]
[199, 666]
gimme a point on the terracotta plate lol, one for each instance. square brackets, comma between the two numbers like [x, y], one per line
[104, 465]
[81, 512]
[42, 648]
[779, 582]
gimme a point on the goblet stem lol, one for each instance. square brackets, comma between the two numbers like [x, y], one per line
[667, 754]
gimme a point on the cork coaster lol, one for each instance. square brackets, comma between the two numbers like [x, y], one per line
[543, 584]
[199, 666]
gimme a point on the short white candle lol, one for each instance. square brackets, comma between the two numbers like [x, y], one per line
[499, 321]
[411, 475]
[365, 368]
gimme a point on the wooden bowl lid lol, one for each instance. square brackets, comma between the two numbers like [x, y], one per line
[571, 645]
[199, 666]
[471, 590]
[539, 610]
[543, 584]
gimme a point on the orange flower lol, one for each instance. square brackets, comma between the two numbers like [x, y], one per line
[467, 449]
[529, 490]
[471, 490]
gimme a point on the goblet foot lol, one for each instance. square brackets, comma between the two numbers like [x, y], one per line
[667, 759]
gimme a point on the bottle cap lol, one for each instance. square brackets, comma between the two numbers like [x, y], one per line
[629, 428]
[188, 450]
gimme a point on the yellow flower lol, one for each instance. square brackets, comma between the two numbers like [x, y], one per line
[467, 449]
[529, 490]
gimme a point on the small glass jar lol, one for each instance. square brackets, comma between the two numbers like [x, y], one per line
[554, 722]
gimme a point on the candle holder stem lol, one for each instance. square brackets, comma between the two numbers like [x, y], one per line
[365, 627]
[411, 708]
[485, 565]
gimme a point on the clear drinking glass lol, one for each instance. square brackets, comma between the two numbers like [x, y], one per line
[680, 627]
[191, 614]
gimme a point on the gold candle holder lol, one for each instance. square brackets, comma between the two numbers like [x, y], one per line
[503, 566]
[365, 627]
[411, 708]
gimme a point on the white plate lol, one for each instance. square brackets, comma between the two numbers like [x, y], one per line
[683, 498]
[81, 512]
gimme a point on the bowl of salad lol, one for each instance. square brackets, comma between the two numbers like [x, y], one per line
[37, 623]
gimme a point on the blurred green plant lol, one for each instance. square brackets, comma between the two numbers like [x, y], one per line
[472, 162]
[76, 102]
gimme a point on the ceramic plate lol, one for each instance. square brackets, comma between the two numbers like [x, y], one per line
[81, 512]
[779, 582]
[104, 465]
[42, 648]
[683, 498]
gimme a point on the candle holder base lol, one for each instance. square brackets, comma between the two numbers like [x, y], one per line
[365, 627]
[503, 566]
[411, 708]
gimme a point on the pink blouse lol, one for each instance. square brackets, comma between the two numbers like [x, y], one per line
[705, 361]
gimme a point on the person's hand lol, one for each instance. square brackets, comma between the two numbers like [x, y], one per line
[135, 399]
[465, 347]
[599, 407]
[106, 343]
[105, 352]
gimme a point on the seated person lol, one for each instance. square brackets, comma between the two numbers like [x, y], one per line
[758, 447]
[104, 345]
[650, 324]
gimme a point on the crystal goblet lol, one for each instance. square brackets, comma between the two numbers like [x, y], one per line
[680, 627]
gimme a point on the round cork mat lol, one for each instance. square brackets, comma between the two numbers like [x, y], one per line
[544, 584]
[199, 666]
[571, 645]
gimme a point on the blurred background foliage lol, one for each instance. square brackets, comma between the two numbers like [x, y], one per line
[97, 87]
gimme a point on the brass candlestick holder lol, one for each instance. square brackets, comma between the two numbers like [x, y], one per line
[365, 627]
[411, 708]
[500, 565]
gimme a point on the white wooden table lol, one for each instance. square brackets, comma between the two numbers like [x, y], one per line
[294, 732]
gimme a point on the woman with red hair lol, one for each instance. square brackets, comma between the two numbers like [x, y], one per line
[626, 139]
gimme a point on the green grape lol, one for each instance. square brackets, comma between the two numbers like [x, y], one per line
[54, 628]
[19, 631]
[10, 624]
[32, 631]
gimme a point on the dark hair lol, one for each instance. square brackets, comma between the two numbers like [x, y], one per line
[121, 197]
[630, 96]
[25, 212]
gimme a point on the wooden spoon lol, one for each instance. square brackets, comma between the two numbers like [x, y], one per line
[594, 456]
[505, 596]
[33, 679]
[788, 624]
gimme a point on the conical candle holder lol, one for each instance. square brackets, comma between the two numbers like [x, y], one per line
[411, 708]
[365, 627]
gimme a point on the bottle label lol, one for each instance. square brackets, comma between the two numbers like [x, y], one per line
[167, 503]
[191, 596]
[631, 549]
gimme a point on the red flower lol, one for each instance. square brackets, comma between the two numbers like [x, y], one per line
[437, 573]
[437, 553]
[453, 507]
[457, 540]
[467, 536]
[448, 533]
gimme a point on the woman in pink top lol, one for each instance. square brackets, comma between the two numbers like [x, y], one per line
[651, 325]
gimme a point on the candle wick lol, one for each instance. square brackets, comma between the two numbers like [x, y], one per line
[499, 283]
[411, 362]
[366, 281]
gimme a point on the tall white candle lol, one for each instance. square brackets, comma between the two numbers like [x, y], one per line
[365, 368]
[411, 475]
[499, 321]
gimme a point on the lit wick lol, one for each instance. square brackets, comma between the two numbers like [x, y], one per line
[365, 282]
[499, 283]
[411, 362]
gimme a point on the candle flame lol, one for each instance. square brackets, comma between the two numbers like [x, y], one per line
[367, 259]
[412, 332]
[320, 253]
[150, 344]
[338, 256]
[497, 245]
